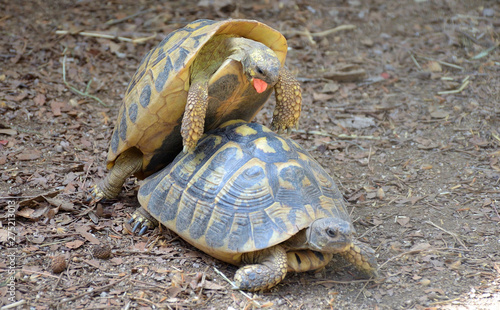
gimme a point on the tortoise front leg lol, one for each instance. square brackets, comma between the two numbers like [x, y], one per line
[193, 121]
[363, 258]
[288, 102]
[127, 163]
[267, 268]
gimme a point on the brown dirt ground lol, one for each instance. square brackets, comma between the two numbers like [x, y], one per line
[419, 168]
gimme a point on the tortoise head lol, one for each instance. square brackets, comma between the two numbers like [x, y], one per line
[261, 67]
[329, 234]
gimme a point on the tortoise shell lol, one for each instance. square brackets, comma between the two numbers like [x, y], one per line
[243, 189]
[150, 116]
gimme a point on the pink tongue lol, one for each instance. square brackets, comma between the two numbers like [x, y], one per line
[259, 85]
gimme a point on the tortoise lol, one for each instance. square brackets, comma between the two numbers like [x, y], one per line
[197, 78]
[255, 199]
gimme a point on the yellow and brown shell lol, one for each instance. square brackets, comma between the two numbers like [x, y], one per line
[150, 116]
[243, 189]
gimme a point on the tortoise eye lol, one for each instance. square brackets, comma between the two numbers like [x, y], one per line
[331, 232]
[259, 70]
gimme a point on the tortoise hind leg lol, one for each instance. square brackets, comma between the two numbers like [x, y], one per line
[288, 102]
[363, 258]
[267, 268]
[127, 163]
[193, 121]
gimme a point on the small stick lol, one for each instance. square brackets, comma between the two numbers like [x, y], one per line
[415, 61]
[108, 36]
[340, 136]
[321, 33]
[76, 90]
[234, 287]
[419, 251]
[442, 62]
[485, 52]
[14, 304]
[102, 288]
[145, 300]
[342, 282]
[495, 208]
[465, 82]
[361, 290]
[117, 21]
[35, 272]
[455, 236]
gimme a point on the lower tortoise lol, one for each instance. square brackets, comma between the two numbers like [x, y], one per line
[197, 78]
[249, 197]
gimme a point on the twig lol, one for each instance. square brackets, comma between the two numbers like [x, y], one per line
[117, 21]
[321, 33]
[465, 82]
[343, 282]
[35, 272]
[418, 251]
[485, 52]
[76, 90]
[340, 136]
[454, 235]
[234, 287]
[145, 300]
[415, 61]
[442, 62]
[108, 36]
[102, 288]
[441, 302]
[361, 290]
[14, 304]
[496, 211]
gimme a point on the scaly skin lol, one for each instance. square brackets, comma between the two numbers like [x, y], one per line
[363, 258]
[193, 121]
[288, 102]
[128, 163]
[266, 269]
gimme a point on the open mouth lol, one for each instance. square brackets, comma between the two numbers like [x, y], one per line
[259, 85]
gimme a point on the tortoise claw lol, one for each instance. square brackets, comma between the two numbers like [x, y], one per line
[142, 221]
[134, 229]
[143, 230]
[94, 195]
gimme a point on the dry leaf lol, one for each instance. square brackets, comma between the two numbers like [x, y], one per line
[39, 99]
[56, 107]
[29, 155]
[403, 220]
[61, 204]
[74, 244]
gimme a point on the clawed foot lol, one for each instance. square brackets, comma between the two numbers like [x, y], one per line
[95, 195]
[363, 258]
[141, 221]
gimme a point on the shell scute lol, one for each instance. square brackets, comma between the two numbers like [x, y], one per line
[229, 206]
[159, 90]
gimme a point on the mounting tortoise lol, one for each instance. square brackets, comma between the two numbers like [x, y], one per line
[248, 196]
[197, 78]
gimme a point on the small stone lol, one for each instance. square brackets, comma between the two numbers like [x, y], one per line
[425, 282]
[487, 12]
[58, 264]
